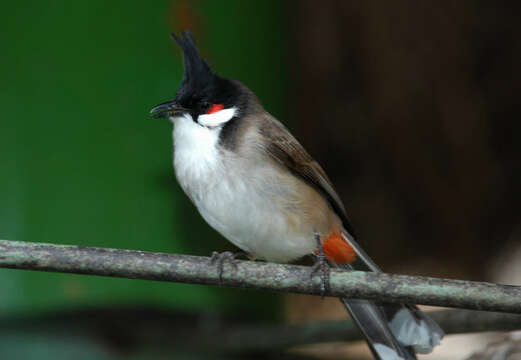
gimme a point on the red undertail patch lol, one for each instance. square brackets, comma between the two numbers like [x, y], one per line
[337, 249]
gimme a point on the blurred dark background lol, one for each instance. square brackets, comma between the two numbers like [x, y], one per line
[411, 107]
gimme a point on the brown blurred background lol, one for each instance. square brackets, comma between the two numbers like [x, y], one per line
[412, 107]
[413, 110]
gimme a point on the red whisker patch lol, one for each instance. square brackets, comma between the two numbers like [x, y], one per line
[214, 108]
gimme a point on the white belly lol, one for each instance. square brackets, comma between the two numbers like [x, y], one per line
[244, 202]
[245, 216]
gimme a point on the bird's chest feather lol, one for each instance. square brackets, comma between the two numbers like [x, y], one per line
[197, 161]
[215, 187]
[241, 199]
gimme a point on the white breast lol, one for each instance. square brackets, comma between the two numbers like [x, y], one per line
[242, 199]
[196, 157]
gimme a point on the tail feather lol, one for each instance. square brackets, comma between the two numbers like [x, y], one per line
[372, 322]
[393, 331]
[414, 328]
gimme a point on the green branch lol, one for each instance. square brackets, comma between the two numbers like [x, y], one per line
[259, 275]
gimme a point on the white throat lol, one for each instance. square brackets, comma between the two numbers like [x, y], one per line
[197, 158]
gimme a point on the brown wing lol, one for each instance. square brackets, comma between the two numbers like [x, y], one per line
[285, 149]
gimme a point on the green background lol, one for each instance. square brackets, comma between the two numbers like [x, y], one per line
[82, 162]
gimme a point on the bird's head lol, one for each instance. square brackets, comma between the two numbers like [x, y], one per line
[209, 99]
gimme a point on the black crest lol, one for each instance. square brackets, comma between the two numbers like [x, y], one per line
[200, 84]
[198, 77]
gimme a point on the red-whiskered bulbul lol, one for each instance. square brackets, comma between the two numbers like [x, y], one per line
[254, 183]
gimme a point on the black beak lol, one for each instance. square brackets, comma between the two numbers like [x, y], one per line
[167, 109]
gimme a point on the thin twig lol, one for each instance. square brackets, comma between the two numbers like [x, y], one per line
[259, 275]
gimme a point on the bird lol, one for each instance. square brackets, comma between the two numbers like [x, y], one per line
[253, 182]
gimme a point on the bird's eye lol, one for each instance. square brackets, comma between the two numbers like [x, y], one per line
[214, 108]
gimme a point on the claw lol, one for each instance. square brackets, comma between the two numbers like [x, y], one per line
[321, 266]
[221, 258]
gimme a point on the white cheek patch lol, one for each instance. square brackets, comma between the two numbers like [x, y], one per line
[217, 118]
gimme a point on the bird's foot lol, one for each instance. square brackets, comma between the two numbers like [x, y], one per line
[321, 267]
[226, 256]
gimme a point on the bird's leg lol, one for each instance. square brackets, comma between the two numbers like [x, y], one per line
[226, 256]
[321, 266]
